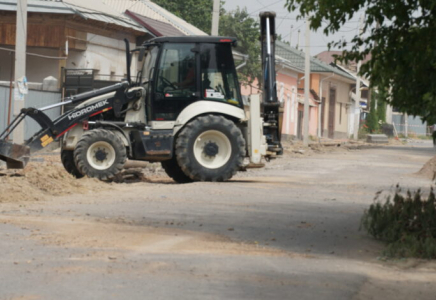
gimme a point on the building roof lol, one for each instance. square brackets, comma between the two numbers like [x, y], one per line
[153, 11]
[363, 80]
[297, 58]
[287, 64]
[327, 56]
[157, 28]
[94, 10]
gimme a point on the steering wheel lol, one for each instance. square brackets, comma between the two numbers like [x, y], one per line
[168, 83]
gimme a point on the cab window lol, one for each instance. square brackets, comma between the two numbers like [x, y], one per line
[176, 81]
[218, 75]
[177, 71]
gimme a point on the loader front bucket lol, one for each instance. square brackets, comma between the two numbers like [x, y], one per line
[16, 156]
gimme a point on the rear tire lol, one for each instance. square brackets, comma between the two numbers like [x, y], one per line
[67, 157]
[100, 154]
[210, 148]
[174, 171]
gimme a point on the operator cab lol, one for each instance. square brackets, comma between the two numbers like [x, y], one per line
[178, 71]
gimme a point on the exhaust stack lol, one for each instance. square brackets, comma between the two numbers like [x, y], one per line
[272, 112]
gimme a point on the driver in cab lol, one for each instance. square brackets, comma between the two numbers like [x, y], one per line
[189, 80]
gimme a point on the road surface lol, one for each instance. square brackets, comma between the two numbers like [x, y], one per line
[289, 231]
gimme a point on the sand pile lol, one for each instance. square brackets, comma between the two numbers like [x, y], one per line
[429, 169]
[37, 181]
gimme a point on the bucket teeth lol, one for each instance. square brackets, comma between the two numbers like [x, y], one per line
[16, 156]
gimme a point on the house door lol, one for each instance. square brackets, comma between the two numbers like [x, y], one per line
[332, 107]
[300, 125]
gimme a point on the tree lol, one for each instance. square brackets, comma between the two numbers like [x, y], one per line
[195, 12]
[372, 119]
[241, 25]
[403, 47]
[236, 23]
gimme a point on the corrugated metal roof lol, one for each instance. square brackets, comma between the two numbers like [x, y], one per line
[37, 6]
[297, 58]
[88, 9]
[157, 28]
[153, 11]
[97, 10]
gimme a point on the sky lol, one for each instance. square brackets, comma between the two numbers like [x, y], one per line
[286, 20]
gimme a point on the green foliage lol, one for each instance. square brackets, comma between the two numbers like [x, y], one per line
[381, 111]
[372, 119]
[406, 223]
[240, 24]
[362, 134]
[195, 12]
[403, 47]
[236, 23]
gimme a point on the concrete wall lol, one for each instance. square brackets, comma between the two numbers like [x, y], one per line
[105, 55]
[342, 106]
[287, 93]
[342, 102]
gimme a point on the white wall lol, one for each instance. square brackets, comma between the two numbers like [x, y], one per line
[105, 55]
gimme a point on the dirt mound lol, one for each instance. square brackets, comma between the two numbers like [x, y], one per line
[37, 181]
[429, 169]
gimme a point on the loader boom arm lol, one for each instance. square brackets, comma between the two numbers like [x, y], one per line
[17, 156]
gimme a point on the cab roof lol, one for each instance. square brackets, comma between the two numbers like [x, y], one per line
[193, 39]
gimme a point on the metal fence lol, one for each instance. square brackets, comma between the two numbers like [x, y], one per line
[414, 126]
[35, 99]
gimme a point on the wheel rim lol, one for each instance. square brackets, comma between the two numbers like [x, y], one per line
[101, 155]
[212, 149]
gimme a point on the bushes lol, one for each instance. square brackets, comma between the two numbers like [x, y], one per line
[407, 223]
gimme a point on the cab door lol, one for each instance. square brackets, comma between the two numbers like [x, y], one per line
[176, 83]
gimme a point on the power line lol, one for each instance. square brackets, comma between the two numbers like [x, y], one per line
[282, 21]
[293, 30]
[265, 7]
[354, 29]
[35, 54]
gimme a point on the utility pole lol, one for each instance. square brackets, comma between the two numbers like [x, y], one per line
[215, 17]
[306, 86]
[20, 67]
[298, 40]
[406, 125]
[357, 102]
[290, 36]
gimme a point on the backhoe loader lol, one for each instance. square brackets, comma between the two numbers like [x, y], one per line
[184, 110]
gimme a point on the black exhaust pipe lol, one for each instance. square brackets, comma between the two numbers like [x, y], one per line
[128, 60]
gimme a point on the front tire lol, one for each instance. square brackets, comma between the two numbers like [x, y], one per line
[174, 171]
[67, 158]
[100, 154]
[210, 148]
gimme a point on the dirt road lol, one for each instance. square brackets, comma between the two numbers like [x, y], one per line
[289, 231]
